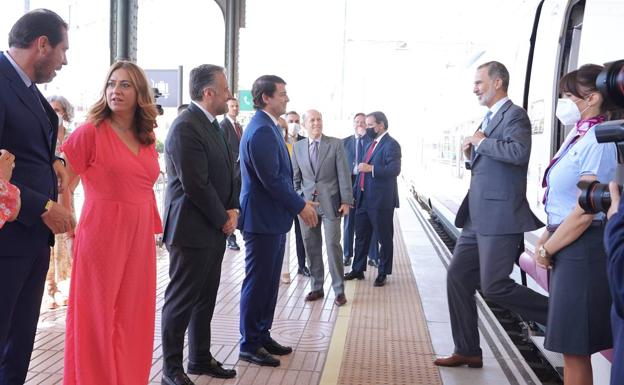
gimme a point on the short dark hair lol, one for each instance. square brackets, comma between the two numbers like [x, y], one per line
[182, 108]
[202, 77]
[228, 99]
[36, 23]
[359, 114]
[293, 112]
[264, 85]
[497, 70]
[379, 117]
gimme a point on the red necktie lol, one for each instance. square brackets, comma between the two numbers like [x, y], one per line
[369, 153]
[237, 128]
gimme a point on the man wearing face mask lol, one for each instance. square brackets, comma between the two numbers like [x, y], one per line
[376, 197]
[493, 217]
[294, 135]
[354, 146]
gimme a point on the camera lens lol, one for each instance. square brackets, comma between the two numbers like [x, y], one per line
[610, 82]
[595, 196]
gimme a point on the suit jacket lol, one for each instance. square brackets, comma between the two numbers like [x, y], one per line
[496, 200]
[231, 137]
[201, 184]
[349, 146]
[380, 188]
[268, 200]
[332, 181]
[28, 129]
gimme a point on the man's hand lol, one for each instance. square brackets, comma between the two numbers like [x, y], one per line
[365, 167]
[308, 214]
[7, 164]
[344, 209]
[476, 137]
[229, 226]
[62, 176]
[58, 219]
[615, 199]
[466, 148]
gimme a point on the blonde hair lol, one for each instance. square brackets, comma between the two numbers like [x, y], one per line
[145, 113]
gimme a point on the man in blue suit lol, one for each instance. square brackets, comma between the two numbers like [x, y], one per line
[28, 129]
[355, 146]
[268, 204]
[614, 244]
[376, 198]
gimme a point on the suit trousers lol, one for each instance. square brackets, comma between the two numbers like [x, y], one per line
[301, 255]
[348, 230]
[263, 262]
[371, 223]
[190, 300]
[486, 261]
[313, 241]
[21, 284]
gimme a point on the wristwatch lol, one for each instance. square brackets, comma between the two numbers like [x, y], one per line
[543, 253]
[48, 204]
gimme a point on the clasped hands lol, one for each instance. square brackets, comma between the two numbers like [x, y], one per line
[229, 226]
[470, 141]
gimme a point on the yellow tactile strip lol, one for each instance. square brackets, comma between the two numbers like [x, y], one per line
[387, 340]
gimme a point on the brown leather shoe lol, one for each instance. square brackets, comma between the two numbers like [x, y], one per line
[340, 300]
[459, 360]
[314, 295]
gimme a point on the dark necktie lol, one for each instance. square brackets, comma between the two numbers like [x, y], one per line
[239, 131]
[369, 154]
[215, 124]
[35, 92]
[314, 156]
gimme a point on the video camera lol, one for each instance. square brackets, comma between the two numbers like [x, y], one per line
[595, 196]
[157, 94]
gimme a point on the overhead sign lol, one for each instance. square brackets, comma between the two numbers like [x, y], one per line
[245, 101]
[168, 84]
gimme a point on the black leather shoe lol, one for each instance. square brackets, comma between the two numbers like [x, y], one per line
[313, 296]
[232, 245]
[373, 263]
[354, 275]
[303, 271]
[213, 369]
[177, 379]
[259, 357]
[347, 261]
[380, 280]
[276, 348]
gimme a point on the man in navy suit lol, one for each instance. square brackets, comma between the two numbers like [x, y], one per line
[377, 196]
[269, 204]
[354, 146]
[614, 244]
[28, 129]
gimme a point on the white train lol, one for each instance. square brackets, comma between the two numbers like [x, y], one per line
[551, 38]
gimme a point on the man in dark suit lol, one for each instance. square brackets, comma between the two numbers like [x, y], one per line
[294, 135]
[494, 215]
[201, 210]
[28, 129]
[233, 132]
[269, 204]
[377, 196]
[354, 146]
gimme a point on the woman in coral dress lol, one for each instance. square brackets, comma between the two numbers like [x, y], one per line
[9, 195]
[112, 299]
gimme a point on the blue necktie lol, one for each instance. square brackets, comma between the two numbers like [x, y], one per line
[314, 156]
[486, 121]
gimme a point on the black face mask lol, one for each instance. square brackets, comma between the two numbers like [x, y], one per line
[371, 133]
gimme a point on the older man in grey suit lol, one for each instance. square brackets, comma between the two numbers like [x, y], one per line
[321, 174]
[494, 215]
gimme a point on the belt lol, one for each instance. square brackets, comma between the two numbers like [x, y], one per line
[594, 223]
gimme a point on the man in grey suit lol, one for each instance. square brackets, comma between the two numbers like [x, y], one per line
[321, 174]
[494, 215]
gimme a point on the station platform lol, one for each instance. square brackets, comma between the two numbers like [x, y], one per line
[387, 335]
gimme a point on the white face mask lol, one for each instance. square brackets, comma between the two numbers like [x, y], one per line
[293, 129]
[567, 111]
